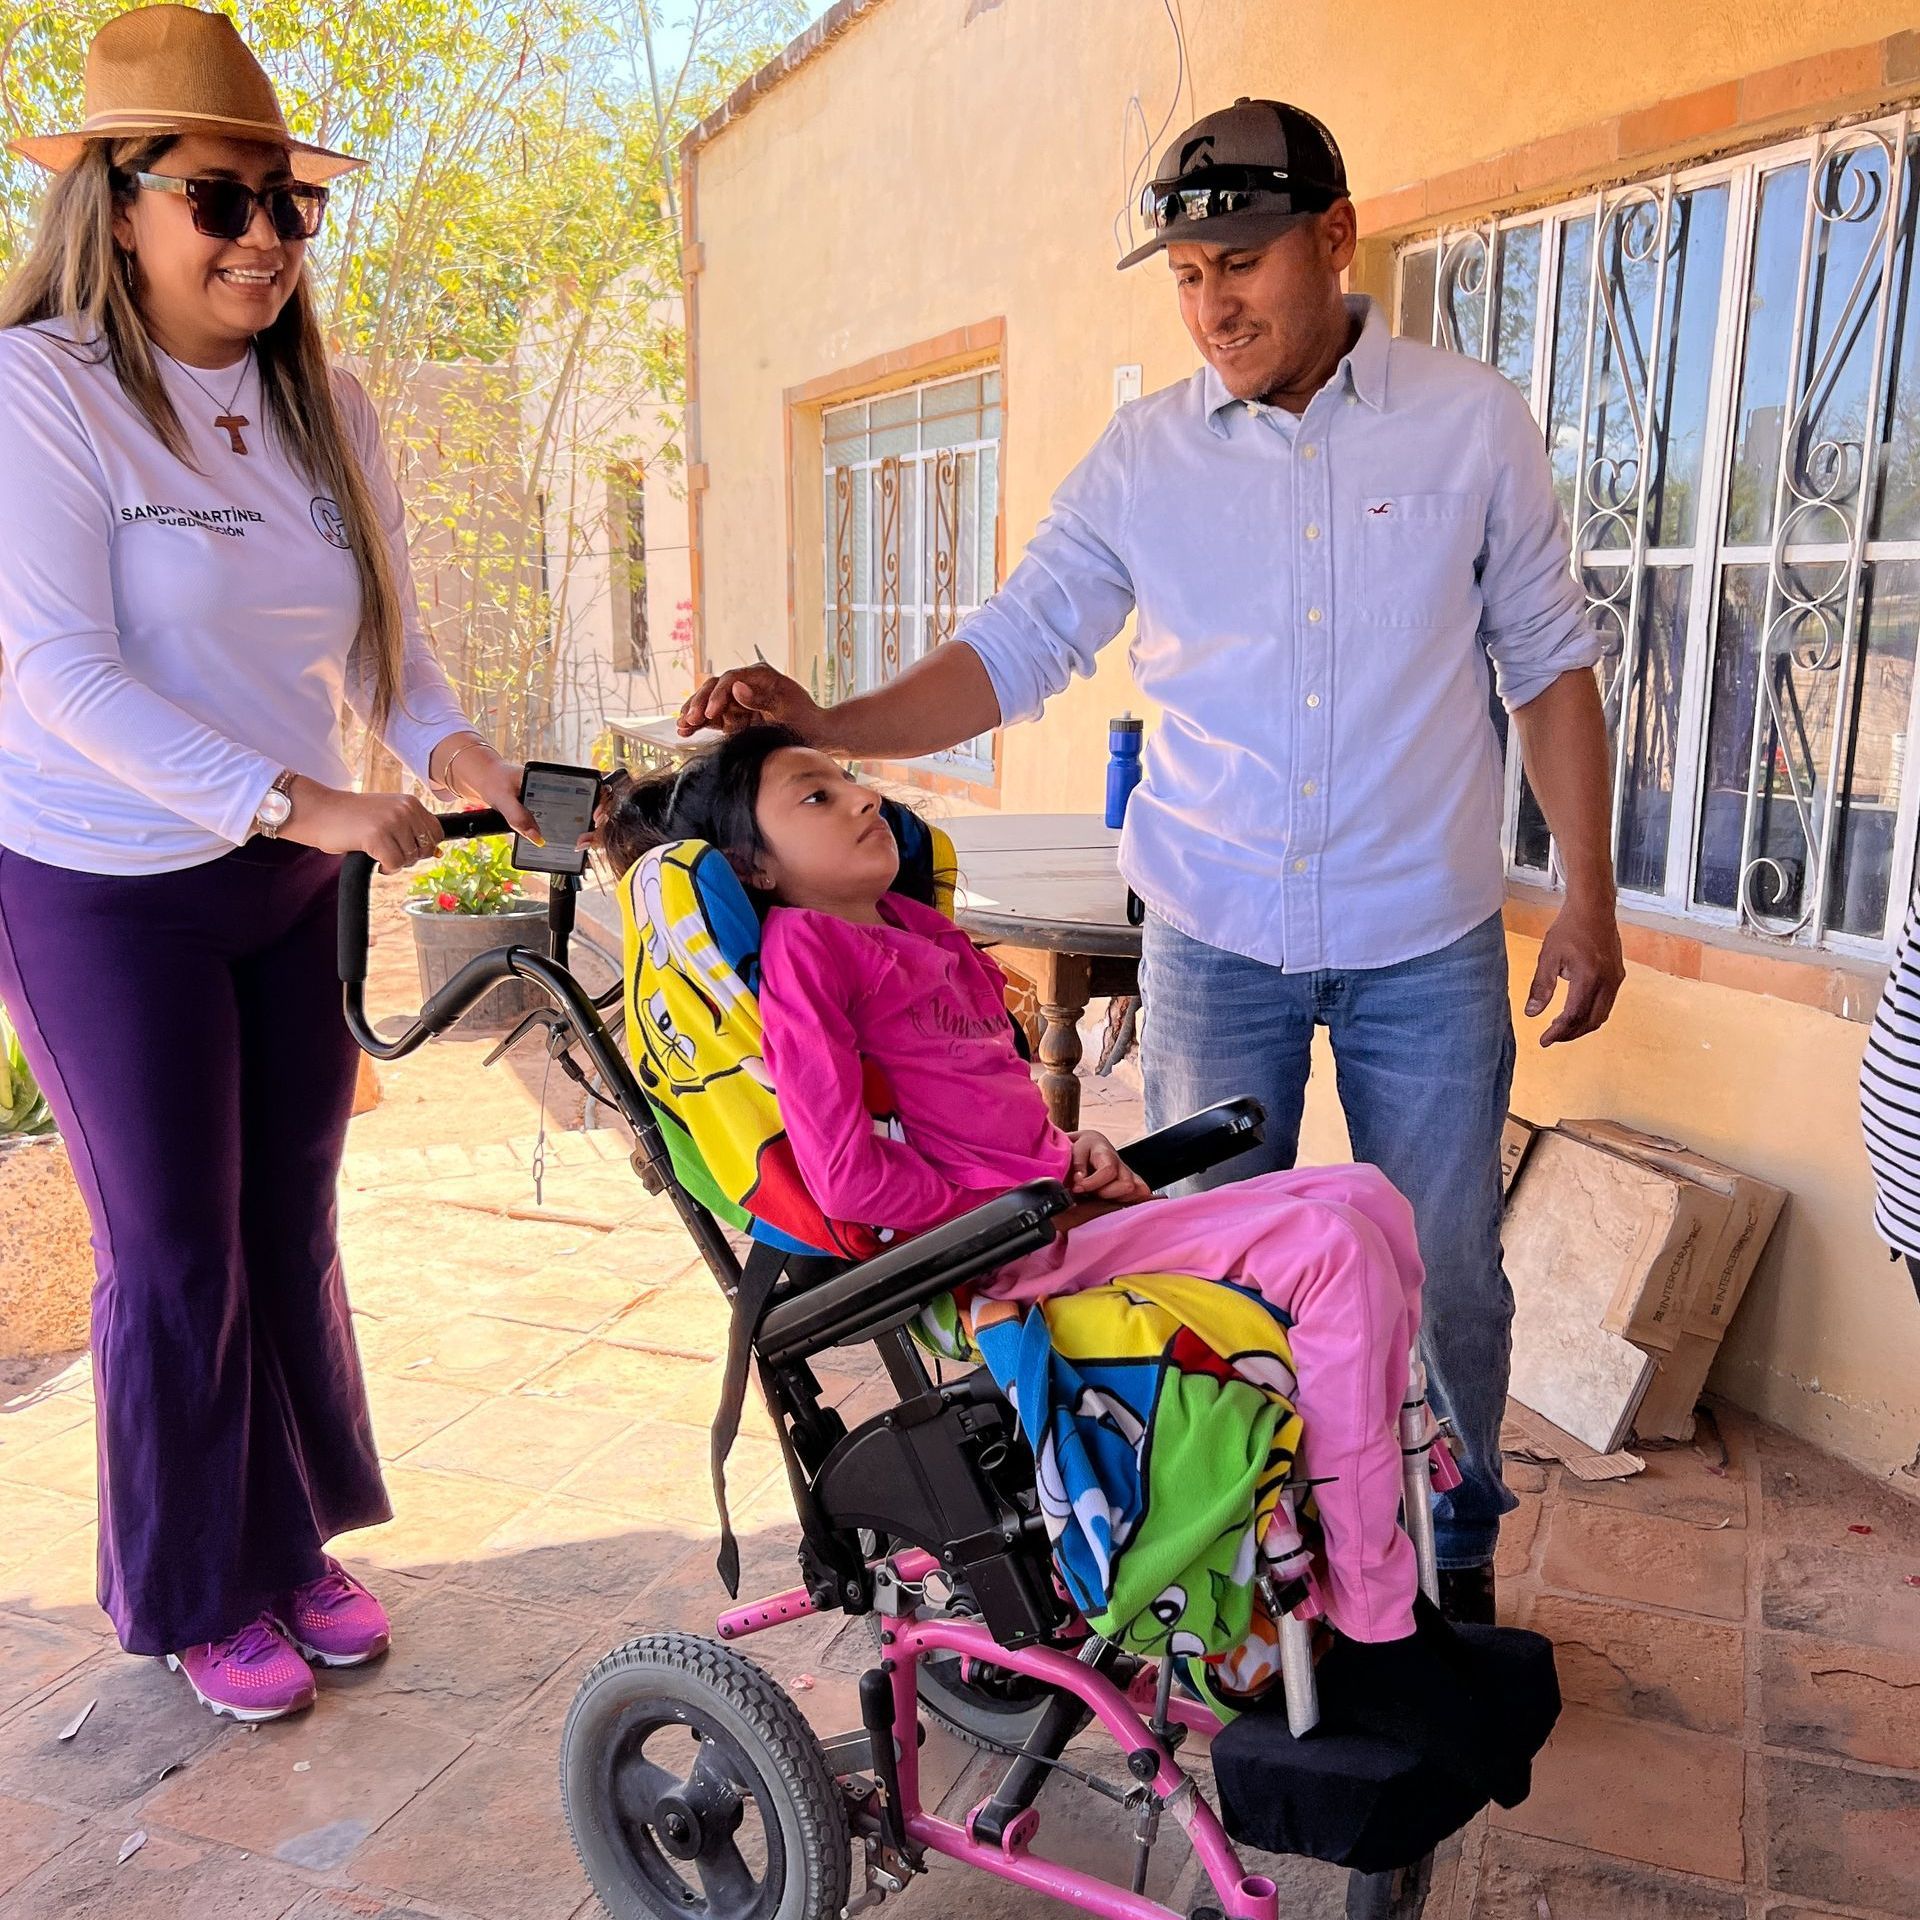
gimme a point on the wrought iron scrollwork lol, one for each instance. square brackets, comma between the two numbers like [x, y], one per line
[843, 668]
[1465, 276]
[1821, 498]
[946, 544]
[888, 555]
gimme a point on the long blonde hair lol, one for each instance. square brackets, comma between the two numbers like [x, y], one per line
[75, 271]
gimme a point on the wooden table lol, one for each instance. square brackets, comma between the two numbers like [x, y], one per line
[1044, 891]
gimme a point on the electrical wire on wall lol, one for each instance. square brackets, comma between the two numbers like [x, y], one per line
[1136, 171]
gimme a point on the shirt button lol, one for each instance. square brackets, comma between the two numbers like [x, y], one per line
[1299, 866]
[1313, 532]
[1309, 453]
[1313, 615]
[1313, 699]
[1310, 788]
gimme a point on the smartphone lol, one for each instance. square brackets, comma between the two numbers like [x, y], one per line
[562, 800]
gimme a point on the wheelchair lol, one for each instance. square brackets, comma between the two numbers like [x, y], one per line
[694, 1786]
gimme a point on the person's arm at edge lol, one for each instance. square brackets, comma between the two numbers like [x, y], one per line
[1563, 746]
[1542, 648]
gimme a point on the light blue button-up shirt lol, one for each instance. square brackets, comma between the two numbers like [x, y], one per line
[1319, 599]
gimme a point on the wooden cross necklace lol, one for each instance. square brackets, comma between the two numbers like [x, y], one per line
[226, 419]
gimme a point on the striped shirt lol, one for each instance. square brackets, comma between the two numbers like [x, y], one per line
[1890, 1096]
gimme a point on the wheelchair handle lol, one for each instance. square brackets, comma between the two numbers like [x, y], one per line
[477, 978]
[356, 883]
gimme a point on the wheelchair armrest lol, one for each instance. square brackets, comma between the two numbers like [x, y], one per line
[1191, 1146]
[893, 1286]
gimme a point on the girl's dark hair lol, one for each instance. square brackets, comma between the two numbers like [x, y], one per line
[710, 797]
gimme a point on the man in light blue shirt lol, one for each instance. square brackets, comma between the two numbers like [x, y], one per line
[1335, 544]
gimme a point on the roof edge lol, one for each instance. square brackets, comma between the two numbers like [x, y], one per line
[797, 53]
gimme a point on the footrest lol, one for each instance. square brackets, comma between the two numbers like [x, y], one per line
[1365, 1793]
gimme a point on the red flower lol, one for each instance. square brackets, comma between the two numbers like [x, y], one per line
[509, 886]
[447, 903]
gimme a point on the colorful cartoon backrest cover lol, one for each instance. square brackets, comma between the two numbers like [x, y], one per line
[692, 945]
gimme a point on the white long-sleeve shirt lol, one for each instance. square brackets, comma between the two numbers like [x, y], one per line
[1321, 602]
[173, 636]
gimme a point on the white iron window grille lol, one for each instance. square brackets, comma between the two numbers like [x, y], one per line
[912, 512]
[1726, 364]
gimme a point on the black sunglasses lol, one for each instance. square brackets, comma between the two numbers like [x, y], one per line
[1218, 190]
[223, 209]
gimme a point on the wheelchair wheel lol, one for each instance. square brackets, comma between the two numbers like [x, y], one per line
[695, 1790]
[988, 1707]
[1398, 1895]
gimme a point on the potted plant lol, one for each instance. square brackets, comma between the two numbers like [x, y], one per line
[468, 902]
[46, 1257]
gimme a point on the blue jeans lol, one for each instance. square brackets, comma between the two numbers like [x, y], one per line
[1423, 1059]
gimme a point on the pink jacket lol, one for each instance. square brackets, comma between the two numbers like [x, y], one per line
[917, 1001]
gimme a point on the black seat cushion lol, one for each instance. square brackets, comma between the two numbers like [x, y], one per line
[1415, 1737]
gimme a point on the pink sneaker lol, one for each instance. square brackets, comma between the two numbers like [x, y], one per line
[252, 1675]
[334, 1620]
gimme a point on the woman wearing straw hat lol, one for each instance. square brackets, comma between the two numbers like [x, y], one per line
[205, 559]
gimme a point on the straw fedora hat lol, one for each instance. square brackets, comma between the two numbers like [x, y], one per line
[171, 69]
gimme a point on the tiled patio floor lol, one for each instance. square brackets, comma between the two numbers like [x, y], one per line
[1739, 1637]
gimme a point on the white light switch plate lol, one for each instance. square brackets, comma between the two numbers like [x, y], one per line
[1126, 386]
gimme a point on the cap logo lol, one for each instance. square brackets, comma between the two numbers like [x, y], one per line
[1196, 150]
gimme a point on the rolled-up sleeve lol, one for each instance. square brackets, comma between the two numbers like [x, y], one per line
[1070, 594]
[1534, 620]
[426, 710]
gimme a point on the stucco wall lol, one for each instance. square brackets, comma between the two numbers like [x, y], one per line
[950, 162]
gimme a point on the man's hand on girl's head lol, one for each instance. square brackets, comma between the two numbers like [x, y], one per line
[751, 696]
[1098, 1172]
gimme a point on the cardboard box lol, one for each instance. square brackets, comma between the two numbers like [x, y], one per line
[1666, 1408]
[1585, 1231]
[1753, 1209]
[1663, 1226]
[1516, 1141]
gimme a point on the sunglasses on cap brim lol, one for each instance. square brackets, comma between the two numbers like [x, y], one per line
[1224, 190]
[223, 209]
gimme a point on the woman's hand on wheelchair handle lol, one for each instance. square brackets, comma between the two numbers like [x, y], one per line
[1098, 1173]
[394, 829]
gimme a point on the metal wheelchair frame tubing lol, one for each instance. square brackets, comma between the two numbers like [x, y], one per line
[476, 979]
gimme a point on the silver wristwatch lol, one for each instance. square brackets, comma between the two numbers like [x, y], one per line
[275, 808]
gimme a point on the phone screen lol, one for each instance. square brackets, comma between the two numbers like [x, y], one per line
[562, 800]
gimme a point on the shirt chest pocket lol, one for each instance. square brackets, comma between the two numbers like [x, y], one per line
[1416, 558]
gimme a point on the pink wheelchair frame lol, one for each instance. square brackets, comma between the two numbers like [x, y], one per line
[1130, 1718]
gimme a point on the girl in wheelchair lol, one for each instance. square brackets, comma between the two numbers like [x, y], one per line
[872, 1003]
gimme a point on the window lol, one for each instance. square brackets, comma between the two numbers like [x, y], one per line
[911, 516]
[627, 566]
[1726, 365]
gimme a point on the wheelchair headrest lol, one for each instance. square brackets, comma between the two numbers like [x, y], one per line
[692, 942]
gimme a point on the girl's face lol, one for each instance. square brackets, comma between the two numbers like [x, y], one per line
[827, 844]
[204, 298]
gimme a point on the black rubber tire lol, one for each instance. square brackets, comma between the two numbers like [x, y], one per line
[1397, 1895]
[713, 1690]
[980, 1715]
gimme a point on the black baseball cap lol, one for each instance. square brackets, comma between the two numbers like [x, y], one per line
[1240, 177]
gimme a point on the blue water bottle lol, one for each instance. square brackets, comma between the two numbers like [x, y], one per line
[1123, 775]
[1123, 765]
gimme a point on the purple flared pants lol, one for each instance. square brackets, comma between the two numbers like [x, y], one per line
[186, 1029]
